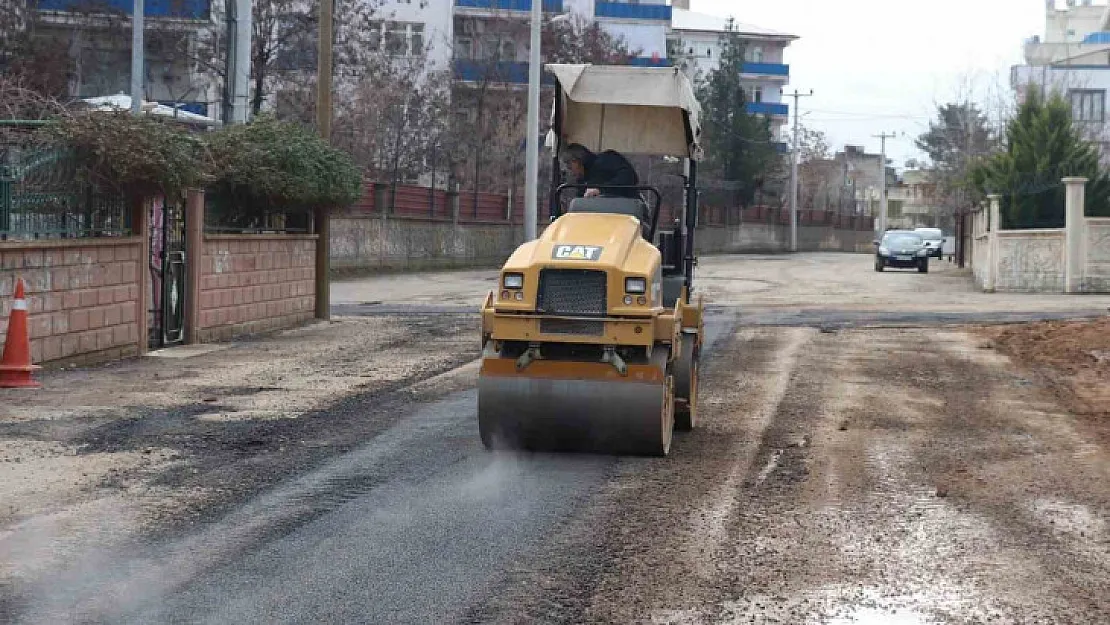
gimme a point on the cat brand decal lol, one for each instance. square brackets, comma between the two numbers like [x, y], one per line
[576, 252]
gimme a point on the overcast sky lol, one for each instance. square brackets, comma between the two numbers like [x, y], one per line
[882, 65]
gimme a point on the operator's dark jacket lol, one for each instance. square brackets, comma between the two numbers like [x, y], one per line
[610, 168]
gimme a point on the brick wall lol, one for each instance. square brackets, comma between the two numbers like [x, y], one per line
[255, 283]
[83, 297]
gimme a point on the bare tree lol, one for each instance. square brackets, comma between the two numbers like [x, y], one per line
[283, 46]
[487, 120]
[394, 118]
[20, 101]
[55, 57]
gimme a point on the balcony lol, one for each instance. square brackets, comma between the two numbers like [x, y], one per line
[620, 10]
[770, 109]
[515, 72]
[647, 61]
[775, 70]
[182, 9]
[549, 6]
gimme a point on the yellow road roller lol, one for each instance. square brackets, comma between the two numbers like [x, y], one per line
[592, 339]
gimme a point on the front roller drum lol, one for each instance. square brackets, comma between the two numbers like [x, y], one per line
[576, 407]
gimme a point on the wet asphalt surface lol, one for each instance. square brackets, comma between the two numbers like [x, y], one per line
[851, 467]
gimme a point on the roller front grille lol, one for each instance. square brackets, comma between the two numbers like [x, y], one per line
[573, 292]
[572, 327]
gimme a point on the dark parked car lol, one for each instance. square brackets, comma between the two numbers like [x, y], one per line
[902, 249]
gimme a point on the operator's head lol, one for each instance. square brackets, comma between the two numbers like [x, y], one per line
[577, 157]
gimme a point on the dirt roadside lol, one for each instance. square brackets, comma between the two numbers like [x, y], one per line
[1073, 356]
[142, 446]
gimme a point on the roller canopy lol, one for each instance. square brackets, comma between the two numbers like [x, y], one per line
[633, 110]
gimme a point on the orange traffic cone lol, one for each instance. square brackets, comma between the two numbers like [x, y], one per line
[15, 366]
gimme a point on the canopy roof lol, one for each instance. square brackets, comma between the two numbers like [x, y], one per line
[633, 110]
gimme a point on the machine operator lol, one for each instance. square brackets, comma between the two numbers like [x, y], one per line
[596, 171]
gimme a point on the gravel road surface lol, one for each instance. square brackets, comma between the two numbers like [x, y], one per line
[864, 456]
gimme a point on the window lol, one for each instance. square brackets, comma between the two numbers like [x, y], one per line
[1088, 105]
[464, 48]
[396, 38]
[407, 38]
[508, 51]
[755, 54]
[375, 35]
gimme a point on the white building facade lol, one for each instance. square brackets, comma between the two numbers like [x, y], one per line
[1072, 59]
[641, 24]
[694, 45]
[460, 35]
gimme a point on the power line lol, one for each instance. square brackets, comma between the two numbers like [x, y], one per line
[873, 115]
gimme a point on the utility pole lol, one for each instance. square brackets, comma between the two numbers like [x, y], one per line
[882, 171]
[324, 68]
[137, 57]
[532, 144]
[239, 69]
[323, 122]
[794, 172]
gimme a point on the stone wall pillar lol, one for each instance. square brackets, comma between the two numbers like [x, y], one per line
[1075, 234]
[994, 224]
[194, 254]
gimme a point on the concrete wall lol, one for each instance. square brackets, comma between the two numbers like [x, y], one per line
[83, 297]
[1030, 261]
[255, 283]
[1073, 259]
[371, 243]
[764, 238]
[1097, 276]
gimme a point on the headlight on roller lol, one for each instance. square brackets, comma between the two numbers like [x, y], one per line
[636, 286]
[513, 281]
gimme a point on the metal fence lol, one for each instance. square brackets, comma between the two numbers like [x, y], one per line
[1033, 206]
[225, 215]
[41, 197]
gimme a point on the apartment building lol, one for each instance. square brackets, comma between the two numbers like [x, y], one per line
[1072, 59]
[96, 36]
[694, 44]
[479, 41]
[913, 202]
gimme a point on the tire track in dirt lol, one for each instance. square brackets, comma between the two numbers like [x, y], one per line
[887, 512]
[642, 538]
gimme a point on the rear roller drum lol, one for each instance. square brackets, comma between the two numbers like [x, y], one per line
[686, 385]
